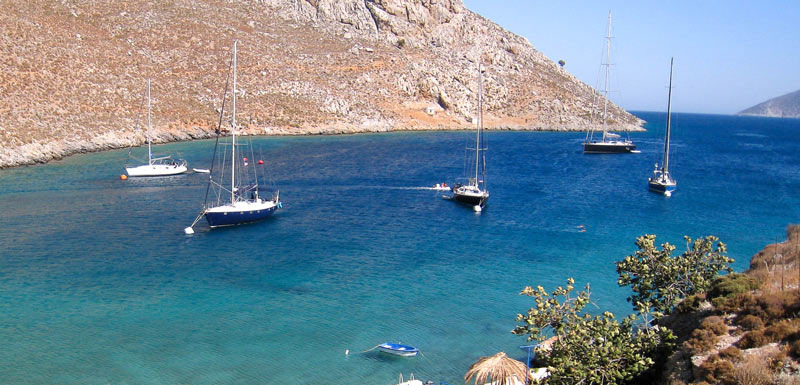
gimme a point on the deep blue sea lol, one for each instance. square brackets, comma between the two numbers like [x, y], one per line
[99, 284]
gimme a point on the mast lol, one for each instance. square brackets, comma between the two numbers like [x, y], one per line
[607, 64]
[233, 130]
[480, 123]
[665, 169]
[149, 150]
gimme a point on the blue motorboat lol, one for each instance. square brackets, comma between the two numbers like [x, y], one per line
[398, 349]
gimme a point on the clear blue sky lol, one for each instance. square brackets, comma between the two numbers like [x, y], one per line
[729, 55]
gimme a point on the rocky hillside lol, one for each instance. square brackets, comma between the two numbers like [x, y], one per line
[786, 106]
[746, 329]
[73, 72]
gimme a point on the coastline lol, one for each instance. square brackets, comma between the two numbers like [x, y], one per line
[37, 152]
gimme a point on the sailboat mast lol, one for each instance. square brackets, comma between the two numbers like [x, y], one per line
[149, 149]
[669, 121]
[605, 87]
[233, 130]
[480, 123]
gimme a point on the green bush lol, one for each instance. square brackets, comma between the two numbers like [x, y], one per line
[732, 284]
[753, 339]
[750, 322]
[690, 303]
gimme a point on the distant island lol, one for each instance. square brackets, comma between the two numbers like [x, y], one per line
[785, 106]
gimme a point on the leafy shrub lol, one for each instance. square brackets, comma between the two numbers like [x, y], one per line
[753, 339]
[690, 303]
[660, 281]
[715, 324]
[750, 322]
[736, 303]
[732, 284]
[716, 370]
[702, 340]
[731, 353]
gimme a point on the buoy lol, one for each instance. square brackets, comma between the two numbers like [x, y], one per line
[245, 159]
[477, 208]
[189, 230]
[347, 352]
[123, 177]
[260, 162]
[668, 193]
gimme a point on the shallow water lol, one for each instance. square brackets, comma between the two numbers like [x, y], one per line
[98, 283]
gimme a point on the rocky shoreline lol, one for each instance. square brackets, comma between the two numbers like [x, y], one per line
[73, 75]
[44, 152]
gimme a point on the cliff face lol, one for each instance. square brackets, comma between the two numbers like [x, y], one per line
[785, 106]
[73, 73]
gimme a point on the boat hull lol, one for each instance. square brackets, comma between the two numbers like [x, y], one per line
[471, 200]
[614, 147]
[240, 213]
[156, 170]
[661, 187]
[398, 350]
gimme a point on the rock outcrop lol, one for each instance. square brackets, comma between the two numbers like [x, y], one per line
[785, 106]
[73, 72]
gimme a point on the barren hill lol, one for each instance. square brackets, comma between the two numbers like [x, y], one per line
[72, 73]
[784, 106]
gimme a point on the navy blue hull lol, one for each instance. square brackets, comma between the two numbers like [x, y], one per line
[470, 200]
[238, 217]
[660, 188]
[599, 148]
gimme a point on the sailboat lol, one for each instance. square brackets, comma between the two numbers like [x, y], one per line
[159, 166]
[474, 192]
[661, 181]
[609, 142]
[239, 202]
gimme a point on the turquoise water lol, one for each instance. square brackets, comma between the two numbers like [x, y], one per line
[98, 283]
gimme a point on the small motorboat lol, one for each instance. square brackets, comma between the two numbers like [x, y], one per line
[398, 349]
[441, 187]
[201, 170]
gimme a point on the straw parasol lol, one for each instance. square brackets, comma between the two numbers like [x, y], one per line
[499, 367]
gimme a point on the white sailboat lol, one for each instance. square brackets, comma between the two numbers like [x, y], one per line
[156, 166]
[240, 202]
[662, 181]
[609, 142]
[474, 192]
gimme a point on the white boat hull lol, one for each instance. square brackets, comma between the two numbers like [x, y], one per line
[156, 170]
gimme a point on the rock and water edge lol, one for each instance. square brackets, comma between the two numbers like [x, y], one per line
[73, 73]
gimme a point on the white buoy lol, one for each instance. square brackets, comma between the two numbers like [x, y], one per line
[347, 352]
[668, 193]
[477, 208]
[189, 230]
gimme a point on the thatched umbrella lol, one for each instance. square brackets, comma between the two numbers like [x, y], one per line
[499, 367]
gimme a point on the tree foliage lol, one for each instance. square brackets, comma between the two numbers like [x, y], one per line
[588, 349]
[660, 281]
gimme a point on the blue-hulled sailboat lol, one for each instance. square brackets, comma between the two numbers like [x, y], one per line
[661, 181]
[239, 202]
